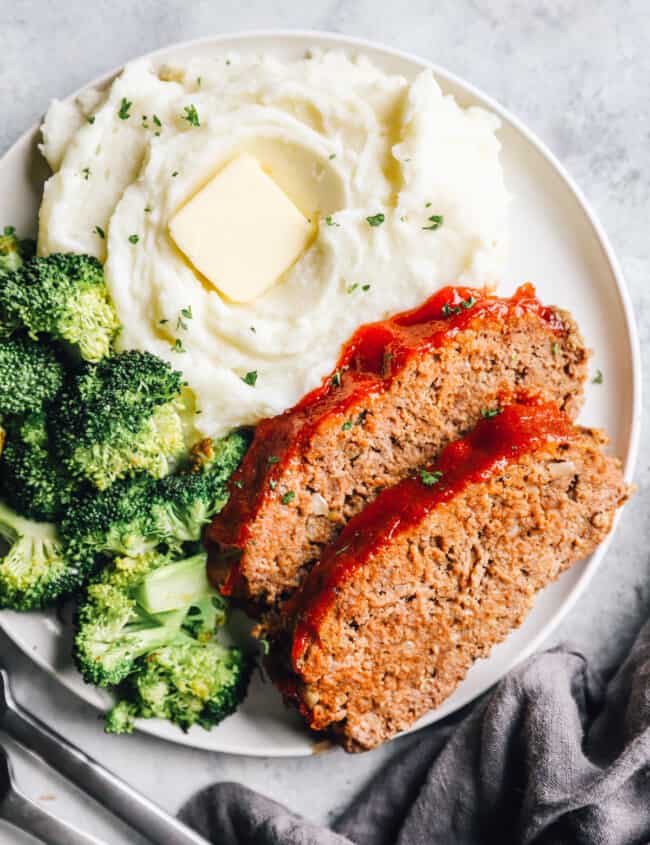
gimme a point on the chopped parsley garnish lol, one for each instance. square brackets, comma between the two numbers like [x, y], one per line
[331, 221]
[198, 81]
[488, 413]
[175, 173]
[375, 219]
[365, 287]
[124, 110]
[163, 322]
[264, 646]
[346, 425]
[352, 288]
[178, 346]
[273, 484]
[427, 205]
[191, 115]
[187, 313]
[555, 348]
[90, 119]
[289, 496]
[9, 231]
[250, 378]
[450, 310]
[227, 61]
[99, 231]
[133, 239]
[253, 329]
[332, 156]
[436, 221]
[385, 363]
[157, 120]
[272, 459]
[86, 173]
[239, 483]
[342, 549]
[429, 478]
[598, 378]
[148, 209]
[336, 378]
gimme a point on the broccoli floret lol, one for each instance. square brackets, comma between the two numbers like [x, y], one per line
[221, 458]
[30, 480]
[120, 719]
[33, 569]
[14, 251]
[184, 504]
[115, 521]
[135, 515]
[30, 375]
[187, 682]
[148, 625]
[63, 296]
[120, 416]
[187, 501]
[112, 629]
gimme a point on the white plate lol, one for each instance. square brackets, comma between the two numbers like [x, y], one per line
[556, 242]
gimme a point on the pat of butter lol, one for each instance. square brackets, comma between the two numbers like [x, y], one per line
[241, 231]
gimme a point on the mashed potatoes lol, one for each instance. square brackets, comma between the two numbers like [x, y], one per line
[368, 157]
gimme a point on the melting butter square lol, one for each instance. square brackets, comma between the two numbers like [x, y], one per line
[241, 231]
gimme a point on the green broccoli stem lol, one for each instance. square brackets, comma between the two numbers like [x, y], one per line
[114, 659]
[174, 586]
[13, 526]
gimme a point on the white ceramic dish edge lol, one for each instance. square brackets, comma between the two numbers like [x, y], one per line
[358, 44]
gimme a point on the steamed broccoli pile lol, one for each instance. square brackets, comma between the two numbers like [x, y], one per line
[119, 416]
[64, 297]
[147, 623]
[101, 499]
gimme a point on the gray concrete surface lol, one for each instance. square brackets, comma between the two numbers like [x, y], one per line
[577, 72]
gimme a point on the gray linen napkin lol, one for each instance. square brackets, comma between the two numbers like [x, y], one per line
[552, 755]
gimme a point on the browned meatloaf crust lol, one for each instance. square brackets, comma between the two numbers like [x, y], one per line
[439, 569]
[403, 389]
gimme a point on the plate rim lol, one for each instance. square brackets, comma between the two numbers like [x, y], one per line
[298, 36]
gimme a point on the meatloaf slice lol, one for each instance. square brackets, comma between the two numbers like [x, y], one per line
[440, 568]
[403, 388]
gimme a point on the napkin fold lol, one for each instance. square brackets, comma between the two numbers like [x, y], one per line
[553, 755]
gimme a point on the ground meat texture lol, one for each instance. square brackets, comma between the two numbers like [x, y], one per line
[435, 572]
[403, 389]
